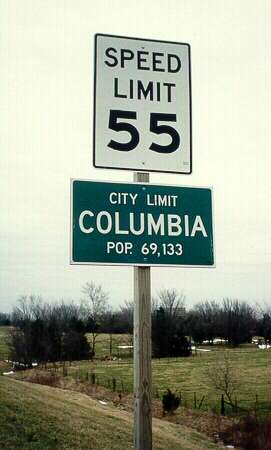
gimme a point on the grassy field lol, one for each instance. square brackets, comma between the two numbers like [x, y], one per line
[3, 342]
[102, 347]
[35, 417]
[186, 375]
[252, 369]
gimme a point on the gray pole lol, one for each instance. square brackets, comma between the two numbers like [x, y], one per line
[142, 352]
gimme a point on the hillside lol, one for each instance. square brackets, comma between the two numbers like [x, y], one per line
[35, 417]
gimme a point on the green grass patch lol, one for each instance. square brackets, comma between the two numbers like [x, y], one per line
[102, 346]
[35, 417]
[190, 377]
[185, 375]
[4, 351]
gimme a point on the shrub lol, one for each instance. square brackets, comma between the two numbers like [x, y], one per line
[170, 402]
[75, 347]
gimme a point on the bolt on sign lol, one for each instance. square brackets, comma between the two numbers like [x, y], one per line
[142, 105]
[141, 224]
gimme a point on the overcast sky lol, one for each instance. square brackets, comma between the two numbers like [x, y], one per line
[46, 108]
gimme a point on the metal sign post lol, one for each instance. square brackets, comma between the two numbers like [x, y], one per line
[142, 352]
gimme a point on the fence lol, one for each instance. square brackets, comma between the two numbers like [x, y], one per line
[189, 399]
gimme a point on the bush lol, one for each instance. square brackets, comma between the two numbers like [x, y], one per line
[75, 346]
[170, 402]
[44, 341]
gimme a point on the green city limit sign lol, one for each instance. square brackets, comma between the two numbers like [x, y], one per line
[141, 224]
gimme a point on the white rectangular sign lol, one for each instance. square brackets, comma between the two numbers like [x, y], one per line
[142, 105]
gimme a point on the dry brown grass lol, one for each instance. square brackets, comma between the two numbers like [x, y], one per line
[249, 433]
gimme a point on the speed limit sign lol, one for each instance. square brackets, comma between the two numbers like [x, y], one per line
[142, 105]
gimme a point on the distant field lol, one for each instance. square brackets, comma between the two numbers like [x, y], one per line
[35, 417]
[189, 376]
[103, 345]
[3, 342]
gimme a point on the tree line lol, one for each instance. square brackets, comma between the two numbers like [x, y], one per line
[45, 332]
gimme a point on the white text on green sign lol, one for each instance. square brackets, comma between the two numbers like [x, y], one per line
[137, 224]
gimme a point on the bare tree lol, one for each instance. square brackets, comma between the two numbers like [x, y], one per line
[207, 320]
[94, 306]
[239, 321]
[223, 377]
[28, 308]
[41, 329]
[154, 304]
[22, 311]
[263, 327]
[172, 302]
[65, 313]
